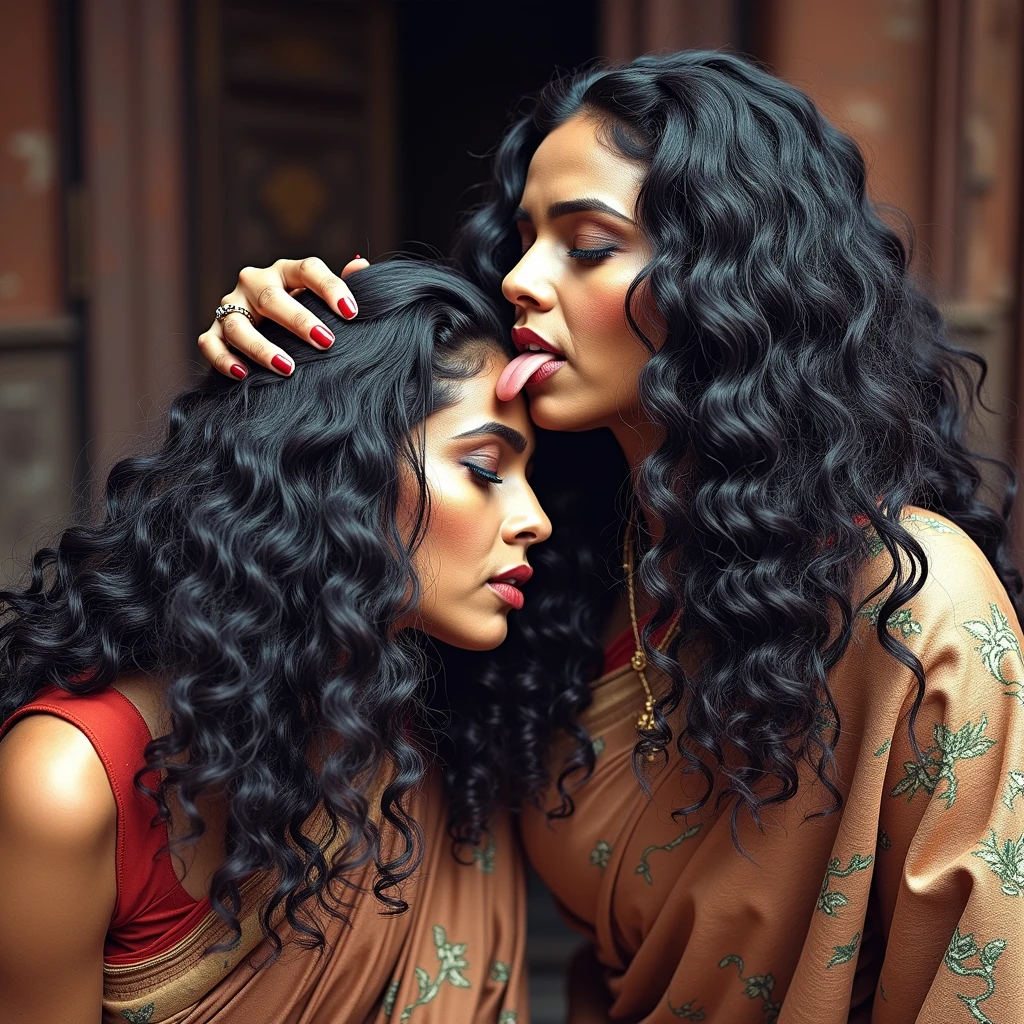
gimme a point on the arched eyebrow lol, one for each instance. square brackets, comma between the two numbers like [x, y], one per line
[516, 441]
[567, 206]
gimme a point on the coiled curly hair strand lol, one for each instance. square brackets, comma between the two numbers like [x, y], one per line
[805, 389]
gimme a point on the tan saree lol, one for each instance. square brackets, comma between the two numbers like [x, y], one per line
[455, 956]
[908, 905]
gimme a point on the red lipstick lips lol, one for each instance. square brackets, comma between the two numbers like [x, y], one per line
[537, 360]
[523, 337]
[506, 585]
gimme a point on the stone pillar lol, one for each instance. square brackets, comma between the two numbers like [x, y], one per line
[138, 347]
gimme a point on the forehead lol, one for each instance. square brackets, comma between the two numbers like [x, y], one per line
[578, 159]
[478, 403]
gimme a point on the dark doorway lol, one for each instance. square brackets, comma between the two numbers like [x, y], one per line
[463, 67]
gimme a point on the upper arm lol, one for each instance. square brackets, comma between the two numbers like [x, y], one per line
[950, 859]
[58, 886]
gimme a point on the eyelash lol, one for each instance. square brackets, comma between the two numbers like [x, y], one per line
[482, 474]
[592, 254]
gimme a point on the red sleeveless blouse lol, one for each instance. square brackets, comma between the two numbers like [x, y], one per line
[152, 911]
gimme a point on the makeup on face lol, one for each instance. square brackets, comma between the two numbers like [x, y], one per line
[483, 516]
[582, 249]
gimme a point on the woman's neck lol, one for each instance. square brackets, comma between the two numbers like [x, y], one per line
[638, 439]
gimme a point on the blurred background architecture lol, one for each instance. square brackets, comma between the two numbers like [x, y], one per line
[151, 148]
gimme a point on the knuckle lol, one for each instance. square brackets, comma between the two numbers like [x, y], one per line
[312, 265]
[331, 284]
[301, 323]
[265, 296]
[204, 341]
[231, 326]
[261, 352]
[246, 274]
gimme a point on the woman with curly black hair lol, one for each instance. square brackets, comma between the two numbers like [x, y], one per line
[217, 792]
[787, 775]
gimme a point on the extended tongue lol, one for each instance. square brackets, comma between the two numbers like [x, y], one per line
[514, 377]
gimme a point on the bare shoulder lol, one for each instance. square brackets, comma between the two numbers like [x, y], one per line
[53, 787]
[58, 875]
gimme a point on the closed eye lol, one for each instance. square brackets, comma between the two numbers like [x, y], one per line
[482, 473]
[593, 254]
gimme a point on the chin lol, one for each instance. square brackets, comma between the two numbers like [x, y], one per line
[490, 634]
[551, 413]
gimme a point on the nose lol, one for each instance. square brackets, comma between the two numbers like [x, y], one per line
[526, 285]
[527, 523]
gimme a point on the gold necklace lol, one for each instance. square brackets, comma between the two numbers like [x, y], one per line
[645, 720]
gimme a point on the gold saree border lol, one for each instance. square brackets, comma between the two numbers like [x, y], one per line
[181, 976]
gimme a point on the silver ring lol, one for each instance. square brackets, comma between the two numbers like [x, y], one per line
[228, 308]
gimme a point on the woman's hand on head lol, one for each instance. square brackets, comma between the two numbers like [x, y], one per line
[268, 292]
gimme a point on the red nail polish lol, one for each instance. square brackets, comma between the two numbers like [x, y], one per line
[282, 364]
[322, 336]
[357, 257]
[347, 308]
[239, 371]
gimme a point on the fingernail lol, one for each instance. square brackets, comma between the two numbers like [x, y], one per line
[239, 371]
[283, 364]
[322, 336]
[347, 308]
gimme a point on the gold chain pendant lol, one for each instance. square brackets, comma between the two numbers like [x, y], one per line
[645, 720]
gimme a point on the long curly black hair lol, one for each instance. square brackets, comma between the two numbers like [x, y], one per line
[806, 391]
[253, 562]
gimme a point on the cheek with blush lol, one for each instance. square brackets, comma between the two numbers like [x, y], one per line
[455, 606]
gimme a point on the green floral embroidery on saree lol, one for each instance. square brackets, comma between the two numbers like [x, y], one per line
[453, 963]
[757, 986]
[644, 868]
[875, 545]
[500, 972]
[390, 996]
[1006, 861]
[143, 1015]
[484, 858]
[600, 853]
[1014, 788]
[963, 948]
[685, 1012]
[883, 749]
[831, 902]
[597, 745]
[508, 1016]
[997, 640]
[844, 954]
[949, 747]
[902, 619]
[933, 524]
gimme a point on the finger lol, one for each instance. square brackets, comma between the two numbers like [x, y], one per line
[218, 355]
[358, 263]
[264, 293]
[314, 274]
[241, 335]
